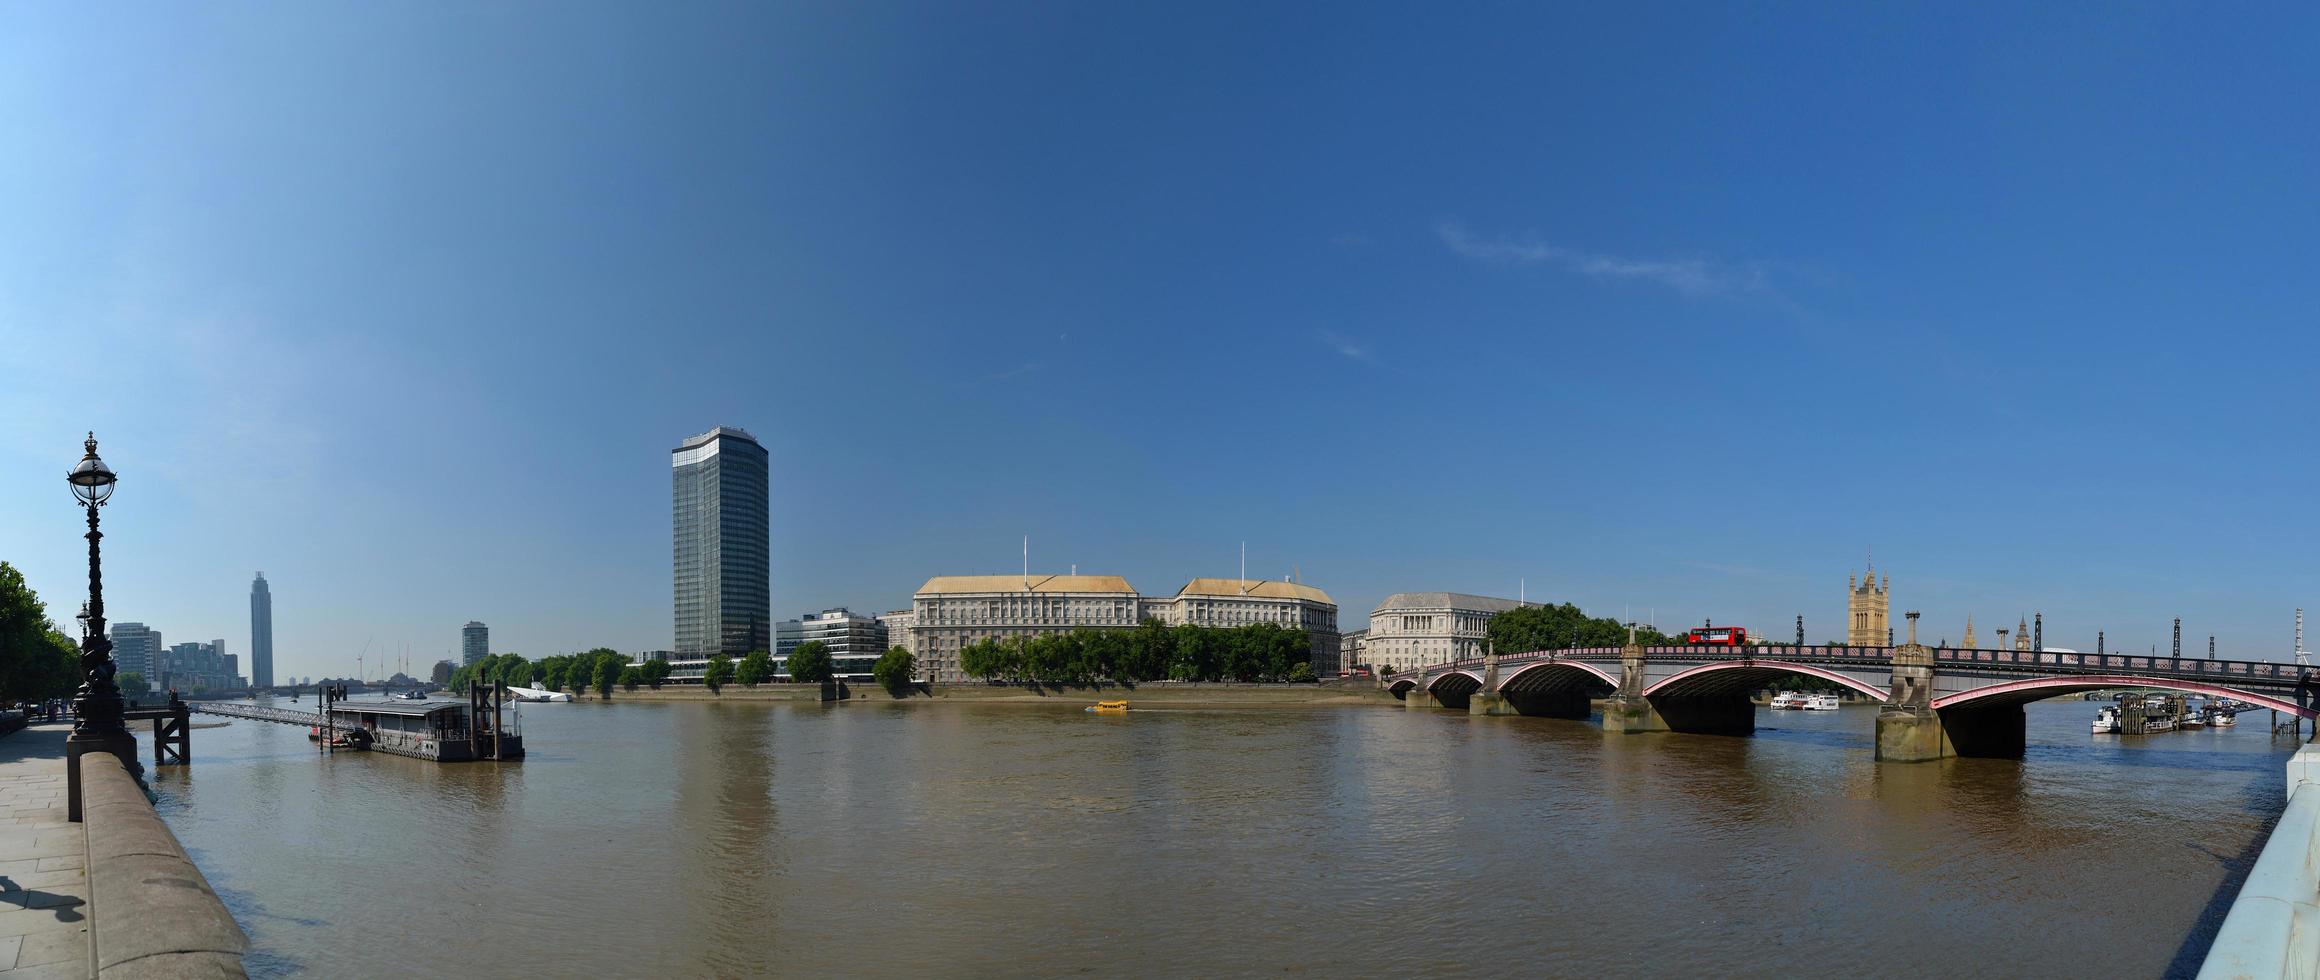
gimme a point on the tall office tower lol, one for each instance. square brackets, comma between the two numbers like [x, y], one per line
[261, 633]
[717, 493]
[474, 642]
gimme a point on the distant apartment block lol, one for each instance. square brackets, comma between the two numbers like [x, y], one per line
[189, 667]
[137, 650]
[474, 642]
[898, 625]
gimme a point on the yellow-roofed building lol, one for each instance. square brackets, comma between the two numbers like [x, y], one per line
[1230, 602]
[951, 611]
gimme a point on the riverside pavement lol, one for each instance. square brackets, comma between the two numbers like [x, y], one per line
[44, 887]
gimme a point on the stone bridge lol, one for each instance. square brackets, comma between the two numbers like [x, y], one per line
[1936, 701]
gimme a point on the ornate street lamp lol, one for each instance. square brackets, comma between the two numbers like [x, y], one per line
[97, 722]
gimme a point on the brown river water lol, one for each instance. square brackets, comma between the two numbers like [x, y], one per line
[692, 839]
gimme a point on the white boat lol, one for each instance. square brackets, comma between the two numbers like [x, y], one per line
[2106, 721]
[537, 694]
[1821, 702]
[1788, 701]
[2223, 719]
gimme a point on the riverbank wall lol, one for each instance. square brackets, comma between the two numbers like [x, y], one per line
[113, 895]
[151, 912]
[1233, 695]
[2273, 928]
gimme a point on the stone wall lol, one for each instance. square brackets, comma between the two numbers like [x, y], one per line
[151, 912]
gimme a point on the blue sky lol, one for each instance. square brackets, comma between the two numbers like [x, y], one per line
[1674, 307]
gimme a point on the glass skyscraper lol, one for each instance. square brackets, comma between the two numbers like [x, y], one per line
[717, 494]
[261, 633]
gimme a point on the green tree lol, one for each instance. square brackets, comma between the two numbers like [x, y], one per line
[630, 677]
[1151, 649]
[608, 670]
[810, 663]
[1302, 673]
[441, 675]
[36, 661]
[893, 670]
[513, 671]
[1562, 627]
[719, 674]
[756, 668]
[656, 672]
[133, 684]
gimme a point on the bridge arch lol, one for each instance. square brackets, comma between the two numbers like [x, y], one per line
[1456, 683]
[2017, 693]
[1402, 688]
[1745, 676]
[1554, 676]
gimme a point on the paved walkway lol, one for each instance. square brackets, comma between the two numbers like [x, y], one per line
[44, 889]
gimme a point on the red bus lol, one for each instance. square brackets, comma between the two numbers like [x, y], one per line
[1725, 636]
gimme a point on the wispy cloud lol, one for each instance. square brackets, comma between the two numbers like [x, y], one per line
[1014, 372]
[1697, 276]
[1344, 345]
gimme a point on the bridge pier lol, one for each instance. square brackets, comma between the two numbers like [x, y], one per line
[1626, 714]
[1907, 734]
[1419, 696]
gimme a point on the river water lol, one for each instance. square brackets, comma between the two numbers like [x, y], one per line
[690, 839]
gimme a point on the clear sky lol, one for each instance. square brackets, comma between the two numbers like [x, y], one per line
[1677, 308]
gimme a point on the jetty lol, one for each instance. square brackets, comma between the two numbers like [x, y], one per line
[435, 729]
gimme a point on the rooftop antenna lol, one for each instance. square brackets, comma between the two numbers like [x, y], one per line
[1244, 582]
[1027, 563]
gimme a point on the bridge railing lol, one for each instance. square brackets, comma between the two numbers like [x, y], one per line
[2043, 661]
[2047, 660]
[257, 712]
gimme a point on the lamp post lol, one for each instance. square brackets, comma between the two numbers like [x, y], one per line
[97, 721]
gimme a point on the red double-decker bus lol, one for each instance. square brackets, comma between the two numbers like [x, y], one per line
[1726, 636]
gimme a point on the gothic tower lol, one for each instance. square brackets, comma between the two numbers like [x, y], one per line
[1969, 633]
[1865, 609]
[2021, 635]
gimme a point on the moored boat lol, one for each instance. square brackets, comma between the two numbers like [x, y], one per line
[1788, 701]
[2106, 721]
[1822, 702]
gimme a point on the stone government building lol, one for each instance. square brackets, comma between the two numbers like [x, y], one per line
[951, 611]
[1412, 629]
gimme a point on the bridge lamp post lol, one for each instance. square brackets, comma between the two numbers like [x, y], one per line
[97, 720]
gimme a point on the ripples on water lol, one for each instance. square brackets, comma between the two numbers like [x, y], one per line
[734, 839]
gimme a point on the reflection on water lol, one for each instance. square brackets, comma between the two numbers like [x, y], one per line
[736, 839]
